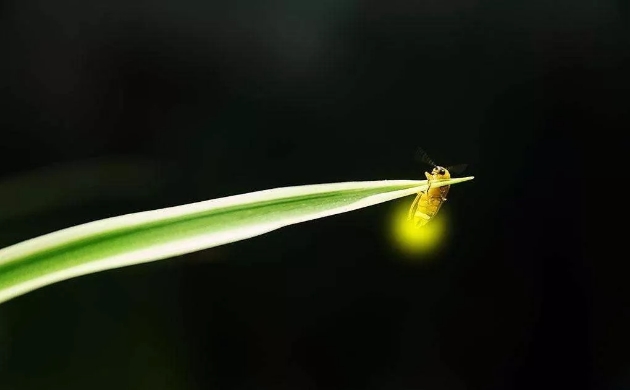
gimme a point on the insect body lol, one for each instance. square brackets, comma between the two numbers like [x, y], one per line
[427, 203]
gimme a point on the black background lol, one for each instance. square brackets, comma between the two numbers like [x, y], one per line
[123, 106]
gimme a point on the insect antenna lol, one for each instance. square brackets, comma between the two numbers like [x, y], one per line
[459, 168]
[422, 156]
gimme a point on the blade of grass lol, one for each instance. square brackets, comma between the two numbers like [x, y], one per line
[158, 234]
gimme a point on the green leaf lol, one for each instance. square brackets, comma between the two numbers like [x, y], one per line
[158, 234]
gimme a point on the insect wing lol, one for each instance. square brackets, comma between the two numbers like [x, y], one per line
[422, 156]
[457, 169]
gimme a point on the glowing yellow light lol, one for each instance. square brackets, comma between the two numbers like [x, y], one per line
[412, 240]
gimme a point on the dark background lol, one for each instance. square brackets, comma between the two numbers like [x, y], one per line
[122, 106]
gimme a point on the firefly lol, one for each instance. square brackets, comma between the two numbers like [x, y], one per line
[428, 202]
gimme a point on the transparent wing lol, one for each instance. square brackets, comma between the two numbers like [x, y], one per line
[457, 169]
[422, 156]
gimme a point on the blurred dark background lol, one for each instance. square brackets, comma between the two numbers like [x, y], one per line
[110, 107]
